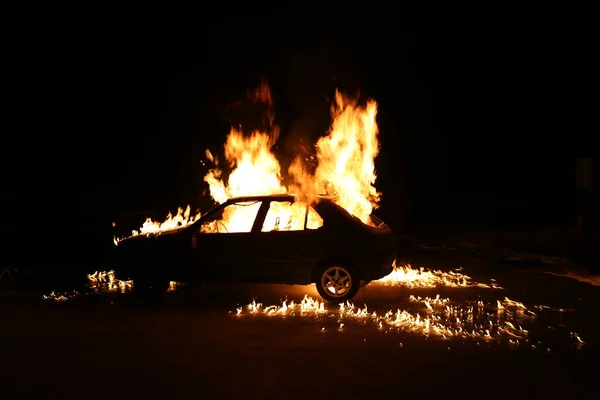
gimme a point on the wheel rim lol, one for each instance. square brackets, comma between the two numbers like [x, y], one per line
[336, 281]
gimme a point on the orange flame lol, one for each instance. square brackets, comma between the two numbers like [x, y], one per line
[405, 275]
[346, 157]
[346, 167]
[346, 170]
[256, 171]
[439, 318]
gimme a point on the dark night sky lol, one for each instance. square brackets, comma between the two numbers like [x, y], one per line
[116, 113]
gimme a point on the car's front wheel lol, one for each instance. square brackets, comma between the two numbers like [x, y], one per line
[337, 282]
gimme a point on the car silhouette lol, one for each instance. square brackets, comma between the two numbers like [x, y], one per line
[264, 239]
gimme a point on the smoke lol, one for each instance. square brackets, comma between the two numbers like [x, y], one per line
[255, 113]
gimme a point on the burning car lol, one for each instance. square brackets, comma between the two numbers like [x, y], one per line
[264, 239]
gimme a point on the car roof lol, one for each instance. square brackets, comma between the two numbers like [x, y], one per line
[275, 197]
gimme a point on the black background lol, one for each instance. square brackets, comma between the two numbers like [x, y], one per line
[481, 110]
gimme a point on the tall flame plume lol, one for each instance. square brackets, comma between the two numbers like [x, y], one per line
[345, 169]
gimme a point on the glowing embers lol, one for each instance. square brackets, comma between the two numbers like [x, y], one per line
[405, 275]
[431, 317]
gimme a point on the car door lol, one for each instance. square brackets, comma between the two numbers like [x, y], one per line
[223, 247]
[289, 244]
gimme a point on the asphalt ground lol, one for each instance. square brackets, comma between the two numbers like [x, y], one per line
[223, 341]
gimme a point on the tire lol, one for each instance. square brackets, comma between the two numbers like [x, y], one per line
[337, 282]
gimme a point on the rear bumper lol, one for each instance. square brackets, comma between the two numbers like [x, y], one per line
[379, 267]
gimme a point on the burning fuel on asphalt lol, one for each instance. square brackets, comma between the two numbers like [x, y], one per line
[345, 169]
[433, 317]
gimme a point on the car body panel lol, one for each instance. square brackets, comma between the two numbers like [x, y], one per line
[189, 255]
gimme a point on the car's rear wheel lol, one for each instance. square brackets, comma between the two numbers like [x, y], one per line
[337, 282]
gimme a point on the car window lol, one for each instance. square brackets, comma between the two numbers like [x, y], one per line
[314, 220]
[234, 218]
[290, 216]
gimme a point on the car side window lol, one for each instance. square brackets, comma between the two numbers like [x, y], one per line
[290, 216]
[314, 220]
[234, 218]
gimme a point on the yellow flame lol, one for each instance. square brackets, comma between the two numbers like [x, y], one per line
[346, 165]
[422, 278]
[106, 281]
[439, 319]
[347, 157]
[102, 282]
[256, 171]
[180, 220]
[345, 170]
[346, 160]
[60, 297]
